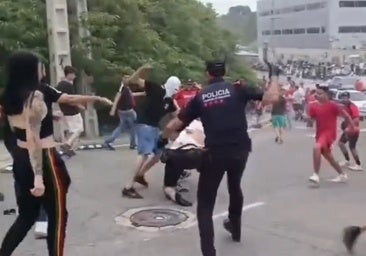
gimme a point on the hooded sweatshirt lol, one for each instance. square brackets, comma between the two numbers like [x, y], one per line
[172, 86]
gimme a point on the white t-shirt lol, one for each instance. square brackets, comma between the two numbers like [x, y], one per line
[299, 96]
[185, 137]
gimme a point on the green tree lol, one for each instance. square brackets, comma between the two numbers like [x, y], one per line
[176, 37]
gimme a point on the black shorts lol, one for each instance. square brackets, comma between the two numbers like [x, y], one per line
[298, 107]
[351, 138]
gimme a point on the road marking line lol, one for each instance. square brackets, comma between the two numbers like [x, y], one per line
[224, 214]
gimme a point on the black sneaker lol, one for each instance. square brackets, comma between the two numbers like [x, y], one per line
[179, 199]
[133, 147]
[350, 236]
[234, 229]
[108, 146]
[131, 193]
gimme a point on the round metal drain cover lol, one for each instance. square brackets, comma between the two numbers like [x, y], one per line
[157, 218]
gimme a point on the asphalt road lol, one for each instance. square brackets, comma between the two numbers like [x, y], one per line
[284, 216]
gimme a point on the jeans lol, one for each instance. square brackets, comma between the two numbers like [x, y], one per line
[147, 139]
[127, 119]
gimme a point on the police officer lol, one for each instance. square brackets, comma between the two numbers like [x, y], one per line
[220, 106]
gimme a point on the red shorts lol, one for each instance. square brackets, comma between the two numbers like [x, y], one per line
[325, 142]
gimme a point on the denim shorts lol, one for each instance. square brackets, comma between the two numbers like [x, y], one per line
[147, 138]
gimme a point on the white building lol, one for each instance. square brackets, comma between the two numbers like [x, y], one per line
[312, 29]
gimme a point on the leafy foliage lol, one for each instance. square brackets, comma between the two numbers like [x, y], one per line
[176, 37]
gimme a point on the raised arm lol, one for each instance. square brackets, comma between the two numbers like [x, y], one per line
[140, 76]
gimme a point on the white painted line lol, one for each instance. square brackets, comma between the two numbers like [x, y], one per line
[245, 208]
[121, 145]
[224, 214]
[311, 135]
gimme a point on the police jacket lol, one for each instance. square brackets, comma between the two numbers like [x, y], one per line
[221, 108]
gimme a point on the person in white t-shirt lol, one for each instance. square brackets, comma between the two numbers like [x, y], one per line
[191, 137]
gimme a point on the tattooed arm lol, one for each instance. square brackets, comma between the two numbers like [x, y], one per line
[36, 112]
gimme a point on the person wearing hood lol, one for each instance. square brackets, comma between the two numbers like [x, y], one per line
[157, 103]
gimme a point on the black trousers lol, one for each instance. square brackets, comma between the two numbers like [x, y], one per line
[351, 138]
[172, 174]
[57, 181]
[214, 167]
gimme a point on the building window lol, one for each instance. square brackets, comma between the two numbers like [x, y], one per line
[360, 3]
[344, 4]
[298, 31]
[323, 30]
[313, 30]
[352, 29]
[266, 32]
[314, 6]
[287, 32]
[347, 4]
[277, 32]
[299, 8]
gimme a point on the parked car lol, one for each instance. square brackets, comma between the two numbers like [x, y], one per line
[357, 98]
[343, 82]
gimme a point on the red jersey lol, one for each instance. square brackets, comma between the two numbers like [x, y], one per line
[354, 112]
[186, 95]
[325, 116]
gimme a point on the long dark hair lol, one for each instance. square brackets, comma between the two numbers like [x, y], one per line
[21, 80]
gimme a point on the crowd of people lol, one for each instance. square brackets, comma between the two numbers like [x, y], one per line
[184, 127]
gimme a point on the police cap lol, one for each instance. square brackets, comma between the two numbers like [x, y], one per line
[215, 68]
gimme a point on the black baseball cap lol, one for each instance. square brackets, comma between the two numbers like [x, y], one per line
[323, 87]
[216, 68]
[345, 95]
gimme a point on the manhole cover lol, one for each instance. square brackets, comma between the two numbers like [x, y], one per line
[157, 218]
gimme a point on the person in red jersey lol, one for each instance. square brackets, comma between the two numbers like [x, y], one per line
[325, 113]
[186, 94]
[350, 134]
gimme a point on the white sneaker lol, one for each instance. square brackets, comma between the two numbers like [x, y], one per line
[40, 230]
[341, 178]
[357, 168]
[314, 178]
[344, 163]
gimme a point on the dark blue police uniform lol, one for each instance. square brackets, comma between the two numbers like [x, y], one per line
[221, 107]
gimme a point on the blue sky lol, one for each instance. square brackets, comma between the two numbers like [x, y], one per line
[222, 6]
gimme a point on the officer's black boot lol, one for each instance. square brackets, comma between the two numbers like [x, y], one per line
[233, 226]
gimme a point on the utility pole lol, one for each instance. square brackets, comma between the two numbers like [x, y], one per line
[90, 114]
[59, 48]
